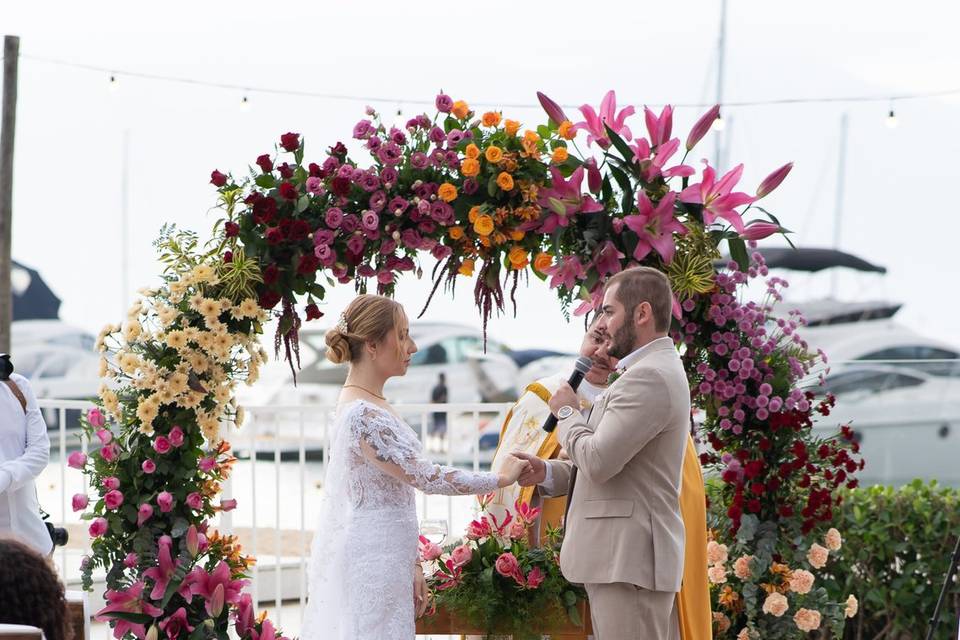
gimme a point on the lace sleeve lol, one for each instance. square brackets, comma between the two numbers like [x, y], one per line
[396, 446]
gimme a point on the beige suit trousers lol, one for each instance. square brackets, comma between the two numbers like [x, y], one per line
[622, 611]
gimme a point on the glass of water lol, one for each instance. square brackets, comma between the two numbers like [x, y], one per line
[434, 530]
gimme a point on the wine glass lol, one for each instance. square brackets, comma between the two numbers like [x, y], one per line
[434, 530]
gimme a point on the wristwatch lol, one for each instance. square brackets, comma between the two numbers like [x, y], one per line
[565, 412]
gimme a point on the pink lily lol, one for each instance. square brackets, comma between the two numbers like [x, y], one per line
[716, 197]
[594, 178]
[535, 578]
[525, 513]
[507, 518]
[659, 127]
[566, 273]
[655, 227]
[163, 572]
[758, 230]
[564, 199]
[702, 126]
[594, 123]
[479, 528]
[651, 161]
[554, 110]
[773, 180]
[593, 301]
[450, 577]
[267, 632]
[129, 600]
[205, 584]
[244, 615]
[176, 624]
[607, 259]
[486, 499]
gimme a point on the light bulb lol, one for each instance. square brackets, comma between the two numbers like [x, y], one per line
[892, 120]
[719, 124]
[114, 84]
[244, 104]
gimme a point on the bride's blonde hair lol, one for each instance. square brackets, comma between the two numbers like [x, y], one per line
[368, 318]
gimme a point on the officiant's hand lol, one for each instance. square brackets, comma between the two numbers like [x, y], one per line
[536, 470]
[565, 396]
[513, 468]
[421, 594]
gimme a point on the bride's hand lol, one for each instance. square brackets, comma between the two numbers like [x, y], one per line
[511, 470]
[421, 594]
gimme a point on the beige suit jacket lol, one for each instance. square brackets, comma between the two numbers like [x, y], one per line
[624, 521]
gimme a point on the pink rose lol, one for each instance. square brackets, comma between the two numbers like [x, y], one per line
[741, 568]
[833, 540]
[148, 466]
[131, 560]
[801, 581]
[535, 578]
[852, 606]
[176, 437]
[716, 553]
[77, 460]
[144, 513]
[817, 556]
[462, 555]
[717, 574]
[105, 436]
[161, 445]
[195, 501]
[95, 418]
[111, 483]
[315, 185]
[776, 604]
[429, 550]
[110, 452]
[98, 527]
[113, 500]
[208, 464]
[807, 620]
[228, 505]
[80, 502]
[517, 530]
[165, 501]
[507, 565]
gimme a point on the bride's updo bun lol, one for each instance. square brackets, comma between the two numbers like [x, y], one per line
[368, 318]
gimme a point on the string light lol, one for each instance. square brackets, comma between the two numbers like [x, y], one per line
[244, 104]
[891, 118]
[719, 124]
[114, 83]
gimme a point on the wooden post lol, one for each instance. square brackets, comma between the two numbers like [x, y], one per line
[8, 121]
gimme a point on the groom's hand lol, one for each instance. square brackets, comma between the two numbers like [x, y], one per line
[564, 397]
[536, 470]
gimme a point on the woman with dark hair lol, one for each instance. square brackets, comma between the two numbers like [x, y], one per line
[30, 592]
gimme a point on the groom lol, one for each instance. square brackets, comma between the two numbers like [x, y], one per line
[624, 537]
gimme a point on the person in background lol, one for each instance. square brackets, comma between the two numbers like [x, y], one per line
[439, 395]
[30, 592]
[24, 454]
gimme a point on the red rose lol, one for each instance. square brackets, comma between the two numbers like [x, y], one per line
[232, 229]
[308, 264]
[288, 191]
[753, 468]
[753, 506]
[270, 274]
[286, 171]
[338, 150]
[274, 235]
[264, 210]
[340, 186]
[290, 141]
[265, 163]
[228, 257]
[315, 170]
[757, 488]
[269, 299]
[297, 230]
[217, 179]
[313, 312]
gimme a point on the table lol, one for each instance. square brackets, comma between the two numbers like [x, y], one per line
[442, 623]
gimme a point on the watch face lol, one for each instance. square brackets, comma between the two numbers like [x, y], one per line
[565, 412]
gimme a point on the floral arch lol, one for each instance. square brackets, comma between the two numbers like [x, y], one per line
[485, 196]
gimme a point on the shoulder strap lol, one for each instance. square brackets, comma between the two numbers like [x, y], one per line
[15, 390]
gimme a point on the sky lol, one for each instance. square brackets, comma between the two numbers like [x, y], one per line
[897, 207]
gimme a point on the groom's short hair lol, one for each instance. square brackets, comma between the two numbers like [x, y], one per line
[645, 284]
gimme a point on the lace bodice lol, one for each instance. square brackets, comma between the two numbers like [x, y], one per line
[394, 441]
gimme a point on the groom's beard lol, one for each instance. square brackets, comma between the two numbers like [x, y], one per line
[621, 342]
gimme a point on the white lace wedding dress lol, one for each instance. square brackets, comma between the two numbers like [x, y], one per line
[361, 564]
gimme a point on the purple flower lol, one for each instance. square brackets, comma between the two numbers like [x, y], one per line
[368, 181]
[441, 212]
[419, 160]
[378, 201]
[389, 154]
[455, 137]
[350, 223]
[470, 186]
[444, 103]
[315, 186]
[398, 136]
[333, 217]
[437, 135]
[363, 129]
[371, 220]
[397, 205]
[385, 277]
[388, 177]
[452, 160]
[374, 143]
[195, 501]
[366, 271]
[427, 226]
[356, 244]
[323, 237]
[438, 157]
[441, 251]
[410, 239]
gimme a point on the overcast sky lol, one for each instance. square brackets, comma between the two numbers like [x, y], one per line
[899, 207]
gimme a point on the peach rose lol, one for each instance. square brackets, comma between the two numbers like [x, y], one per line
[518, 258]
[456, 233]
[472, 151]
[716, 553]
[543, 262]
[722, 622]
[801, 581]
[490, 119]
[807, 620]
[460, 109]
[717, 574]
[483, 225]
[833, 540]
[511, 127]
[741, 567]
[470, 167]
[447, 192]
[493, 154]
[776, 604]
[505, 181]
[852, 606]
[817, 556]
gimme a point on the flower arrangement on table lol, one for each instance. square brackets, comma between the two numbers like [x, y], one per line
[494, 580]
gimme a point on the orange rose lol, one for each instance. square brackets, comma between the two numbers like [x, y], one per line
[505, 181]
[472, 151]
[517, 235]
[560, 155]
[447, 192]
[483, 225]
[542, 262]
[474, 214]
[499, 238]
[485, 241]
[493, 154]
[466, 267]
[511, 127]
[530, 136]
[470, 167]
[567, 132]
[456, 233]
[460, 109]
[490, 119]
[518, 258]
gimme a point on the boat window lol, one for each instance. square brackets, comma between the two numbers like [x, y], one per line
[870, 382]
[920, 352]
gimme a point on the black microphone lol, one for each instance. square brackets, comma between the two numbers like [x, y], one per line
[580, 369]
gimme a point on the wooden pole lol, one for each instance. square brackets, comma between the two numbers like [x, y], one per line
[8, 121]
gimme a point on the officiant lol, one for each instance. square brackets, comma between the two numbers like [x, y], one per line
[522, 431]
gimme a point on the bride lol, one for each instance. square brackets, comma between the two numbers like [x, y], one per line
[365, 582]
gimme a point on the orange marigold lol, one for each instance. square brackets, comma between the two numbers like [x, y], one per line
[460, 109]
[519, 258]
[474, 213]
[466, 267]
[560, 155]
[505, 181]
[483, 225]
[490, 119]
[456, 233]
[493, 154]
[567, 130]
[472, 151]
[447, 192]
[542, 262]
[511, 127]
[517, 235]
[470, 167]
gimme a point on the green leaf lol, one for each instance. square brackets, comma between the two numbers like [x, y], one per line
[625, 151]
[738, 251]
[137, 618]
[180, 526]
[569, 598]
[574, 614]
[266, 181]
[303, 203]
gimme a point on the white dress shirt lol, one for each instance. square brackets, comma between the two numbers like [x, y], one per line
[24, 453]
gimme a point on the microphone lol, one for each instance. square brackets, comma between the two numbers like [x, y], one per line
[580, 369]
